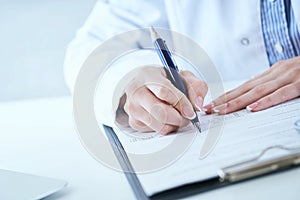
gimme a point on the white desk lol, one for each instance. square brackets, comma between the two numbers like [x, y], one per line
[38, 137]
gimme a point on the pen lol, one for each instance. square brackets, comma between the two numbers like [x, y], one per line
[170, 68]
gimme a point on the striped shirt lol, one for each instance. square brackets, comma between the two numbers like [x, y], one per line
[280, 31]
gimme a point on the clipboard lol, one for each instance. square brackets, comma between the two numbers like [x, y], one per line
[235, 173]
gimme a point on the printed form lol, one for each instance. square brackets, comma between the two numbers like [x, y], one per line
[243, 135]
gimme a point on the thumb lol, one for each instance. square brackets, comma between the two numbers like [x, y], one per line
[196, 88]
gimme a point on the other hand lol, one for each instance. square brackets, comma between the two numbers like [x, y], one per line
[278, 84]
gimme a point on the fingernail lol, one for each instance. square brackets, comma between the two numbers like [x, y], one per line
[252, 106]
[188, 112]
[208, 106]
[199, 102]
[219, 108]
[215, 110]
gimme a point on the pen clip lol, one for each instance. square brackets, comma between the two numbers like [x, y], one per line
[244, 170]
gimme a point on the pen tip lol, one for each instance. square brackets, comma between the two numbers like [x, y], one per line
[197, 125]
[152, 29]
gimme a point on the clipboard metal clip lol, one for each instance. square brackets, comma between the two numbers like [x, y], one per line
[247, 169]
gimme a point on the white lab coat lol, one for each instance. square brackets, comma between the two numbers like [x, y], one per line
[229, 31]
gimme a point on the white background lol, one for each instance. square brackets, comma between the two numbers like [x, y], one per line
[34, 35]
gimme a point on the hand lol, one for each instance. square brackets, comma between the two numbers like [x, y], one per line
[278, 84]
[153, 103]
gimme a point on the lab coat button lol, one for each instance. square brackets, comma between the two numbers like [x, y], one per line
[245, 41]
[278, 48]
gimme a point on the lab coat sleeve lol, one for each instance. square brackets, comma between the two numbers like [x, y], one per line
[107, 19]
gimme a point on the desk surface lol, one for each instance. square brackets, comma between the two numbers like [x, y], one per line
[38, 137]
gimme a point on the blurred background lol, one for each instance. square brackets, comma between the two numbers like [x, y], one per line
[34, 36]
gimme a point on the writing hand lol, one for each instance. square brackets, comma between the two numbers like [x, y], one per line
[153, 103]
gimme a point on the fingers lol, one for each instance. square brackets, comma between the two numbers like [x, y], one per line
[152, 114]
[257, 82]
[154, 125]
[159, 110]
[138, 125]
[248, 98]
[285, 93]
[277, 85]
[154, 103]
[267, 76]
[197, 89]
[167, 92]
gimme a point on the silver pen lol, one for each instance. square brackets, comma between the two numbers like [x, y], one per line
[171, 68]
